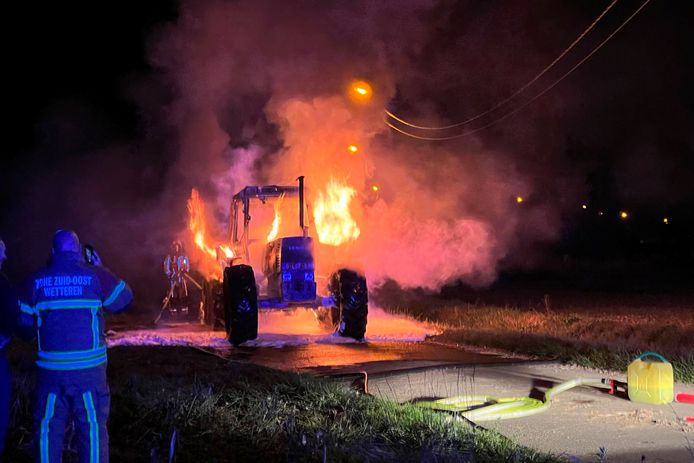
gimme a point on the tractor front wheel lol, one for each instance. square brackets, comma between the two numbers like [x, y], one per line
[351, 302]
[240, 304]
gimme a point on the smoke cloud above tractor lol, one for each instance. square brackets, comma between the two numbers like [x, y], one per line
[261, 96]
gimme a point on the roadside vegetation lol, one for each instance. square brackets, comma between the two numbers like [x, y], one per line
[587, 330]
[198, 408]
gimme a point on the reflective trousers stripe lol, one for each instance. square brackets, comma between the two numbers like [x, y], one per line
[95, 329]
[45, 424]
[93, 427]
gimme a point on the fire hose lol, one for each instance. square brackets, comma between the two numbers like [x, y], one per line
[648, 381]
[489, 408]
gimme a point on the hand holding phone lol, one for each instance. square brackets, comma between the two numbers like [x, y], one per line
[91, 256]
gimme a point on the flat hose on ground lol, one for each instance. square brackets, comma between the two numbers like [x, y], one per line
[479, 408]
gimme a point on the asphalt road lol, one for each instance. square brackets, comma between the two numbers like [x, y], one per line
[581, 422]
[372, 357]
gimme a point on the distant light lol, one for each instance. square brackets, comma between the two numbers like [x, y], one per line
[623, 215]
[375, 188]
[360, 91]
[599, 212]
[519, 199]
[666, 221]
[583, 206]
[353, 148]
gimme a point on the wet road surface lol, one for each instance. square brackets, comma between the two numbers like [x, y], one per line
[373, 357]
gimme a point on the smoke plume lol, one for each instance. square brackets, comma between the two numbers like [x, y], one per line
[260, 96]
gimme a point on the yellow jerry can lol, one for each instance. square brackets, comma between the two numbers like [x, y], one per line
[650, 382]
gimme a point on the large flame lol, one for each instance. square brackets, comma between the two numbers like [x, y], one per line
[274, 231]
[331, 215]
[196, 223]
[214, 259]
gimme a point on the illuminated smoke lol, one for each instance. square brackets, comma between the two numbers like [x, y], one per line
[266, 92]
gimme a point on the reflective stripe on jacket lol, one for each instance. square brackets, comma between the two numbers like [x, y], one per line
[65, 301]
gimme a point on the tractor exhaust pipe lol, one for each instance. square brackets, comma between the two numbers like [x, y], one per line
[301, 206]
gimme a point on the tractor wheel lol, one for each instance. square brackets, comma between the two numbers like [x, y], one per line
[213, 304]
[351, 302]
[328, 317]
[240, 304]
[195, 302]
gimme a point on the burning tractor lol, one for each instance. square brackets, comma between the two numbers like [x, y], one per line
[289, 277]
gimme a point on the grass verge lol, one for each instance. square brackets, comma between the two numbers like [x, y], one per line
[224, 412]
[607, 338]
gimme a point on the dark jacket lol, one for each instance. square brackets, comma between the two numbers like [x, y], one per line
[9, 311]
[64, 302]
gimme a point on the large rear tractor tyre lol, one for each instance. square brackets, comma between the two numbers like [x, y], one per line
[351, 302]
[240, 304]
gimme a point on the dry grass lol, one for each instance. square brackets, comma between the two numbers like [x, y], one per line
[603, 336]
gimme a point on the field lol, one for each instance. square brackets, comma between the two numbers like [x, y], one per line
[600, 330]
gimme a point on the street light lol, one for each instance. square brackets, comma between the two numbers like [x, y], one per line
[360, 91]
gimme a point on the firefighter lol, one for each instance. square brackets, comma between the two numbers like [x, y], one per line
[64, 302]
[176, 267]
[9, 311]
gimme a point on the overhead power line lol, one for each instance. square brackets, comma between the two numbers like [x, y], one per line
[517, 92]
[538, 95]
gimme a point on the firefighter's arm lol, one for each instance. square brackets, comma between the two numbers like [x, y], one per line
[115, 293]
[27, 314]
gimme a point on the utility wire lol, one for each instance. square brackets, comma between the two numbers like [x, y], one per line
[517, 92]
[554, 84]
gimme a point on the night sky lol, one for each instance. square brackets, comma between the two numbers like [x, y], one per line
[83, 143]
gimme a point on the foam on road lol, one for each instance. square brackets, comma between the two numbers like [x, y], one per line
[279, 329]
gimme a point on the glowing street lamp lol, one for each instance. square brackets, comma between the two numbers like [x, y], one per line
[360, 91]
[352, 148]
[623, 215]
[583, 206]
[666, 221]
[375, 188]
[519, 199]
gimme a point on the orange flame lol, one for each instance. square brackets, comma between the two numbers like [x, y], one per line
[228, 253]
[274, 231]
[196, 222]
[214, 258]
[331, 215]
